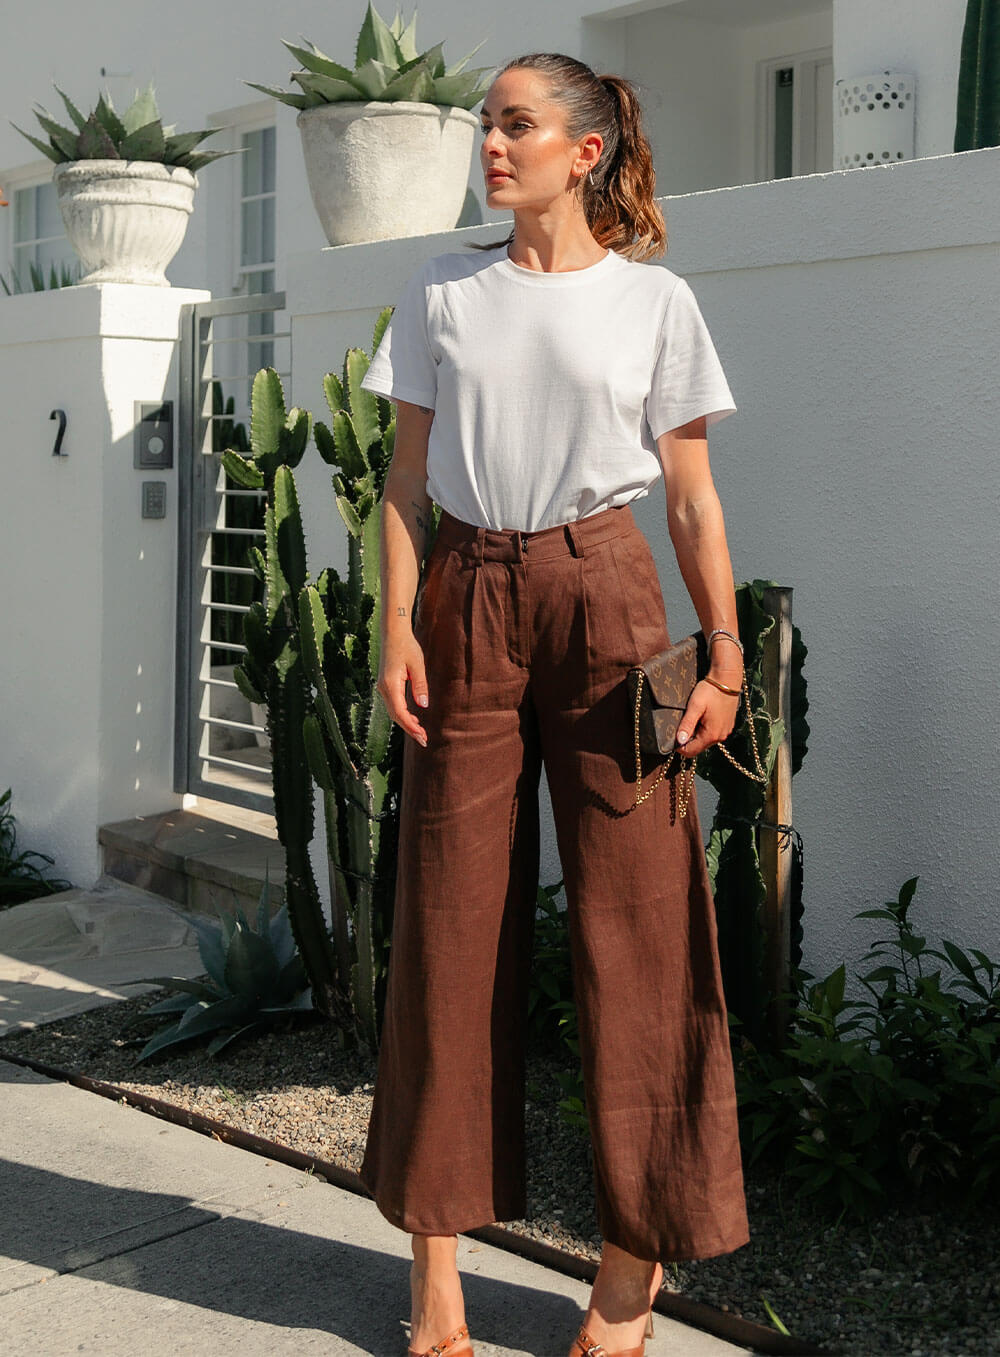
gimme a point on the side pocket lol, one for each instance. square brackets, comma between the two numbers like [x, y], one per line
[423, 604]
[643, 597]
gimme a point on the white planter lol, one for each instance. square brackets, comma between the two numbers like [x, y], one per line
[873, 119]
[125, 218]
[378, 171]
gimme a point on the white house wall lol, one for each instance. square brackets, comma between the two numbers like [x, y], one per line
[689, 73]
[855, 314]
[199, 55]
[698, 80]
[86, 732]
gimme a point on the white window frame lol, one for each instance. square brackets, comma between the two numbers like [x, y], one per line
[233, 123]
[35, 175]
[804, 66]
[243, 270]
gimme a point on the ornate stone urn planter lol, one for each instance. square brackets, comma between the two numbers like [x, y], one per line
[377, 171]
[125, 218]
[125, 185]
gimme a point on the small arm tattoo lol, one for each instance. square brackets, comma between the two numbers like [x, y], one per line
[401, 611]
[422, 519]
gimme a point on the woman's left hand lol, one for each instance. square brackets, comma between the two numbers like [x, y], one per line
[709, 717]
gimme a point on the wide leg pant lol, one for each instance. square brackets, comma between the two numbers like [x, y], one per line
[527, 639]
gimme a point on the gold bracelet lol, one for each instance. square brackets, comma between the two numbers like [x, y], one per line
[722, 687]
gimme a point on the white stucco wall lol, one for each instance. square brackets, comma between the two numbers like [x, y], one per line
[855, 315]
[689, 74]
[86, 731]
[709, 86]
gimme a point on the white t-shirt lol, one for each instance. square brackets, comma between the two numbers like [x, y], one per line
[548, 389]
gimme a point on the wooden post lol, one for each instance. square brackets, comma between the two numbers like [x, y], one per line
[776, 850]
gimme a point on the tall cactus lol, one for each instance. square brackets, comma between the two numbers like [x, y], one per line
[272, 671]
[354, 751]
[733, 857]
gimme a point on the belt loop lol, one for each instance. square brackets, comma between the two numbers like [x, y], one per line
[575, 539]
[477, 548]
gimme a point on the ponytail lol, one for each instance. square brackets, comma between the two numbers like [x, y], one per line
[618, 194]
[618, 197]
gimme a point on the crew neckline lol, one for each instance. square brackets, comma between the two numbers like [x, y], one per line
[560, 278]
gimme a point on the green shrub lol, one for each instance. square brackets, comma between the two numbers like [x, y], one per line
[899, 1091]
[21, 877]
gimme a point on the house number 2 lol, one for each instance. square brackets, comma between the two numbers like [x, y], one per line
[61, 416]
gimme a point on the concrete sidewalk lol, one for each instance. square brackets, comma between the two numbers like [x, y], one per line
[121, 1233]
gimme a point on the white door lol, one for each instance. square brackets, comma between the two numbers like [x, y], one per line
[795, 115]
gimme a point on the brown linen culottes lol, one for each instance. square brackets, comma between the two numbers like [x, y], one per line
[527, 639]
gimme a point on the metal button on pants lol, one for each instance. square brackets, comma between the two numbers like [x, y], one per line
[527, 639]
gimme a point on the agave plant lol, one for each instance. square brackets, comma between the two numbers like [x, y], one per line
[66, 277]
[254, 976]
[138, 134]
[387, 67]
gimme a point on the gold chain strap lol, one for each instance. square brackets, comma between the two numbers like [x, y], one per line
[685, 779]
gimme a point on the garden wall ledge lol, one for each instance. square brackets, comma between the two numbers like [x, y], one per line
[931, 203]
[86, 311]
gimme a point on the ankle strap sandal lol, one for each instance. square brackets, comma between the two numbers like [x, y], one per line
[444, 1345]
[585, 1346]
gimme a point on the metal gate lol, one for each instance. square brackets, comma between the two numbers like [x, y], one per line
[221, 748]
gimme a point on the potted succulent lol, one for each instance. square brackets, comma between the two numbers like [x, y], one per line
[125, 186]
[387, 144]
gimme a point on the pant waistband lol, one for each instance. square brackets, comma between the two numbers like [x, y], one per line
[510, 544]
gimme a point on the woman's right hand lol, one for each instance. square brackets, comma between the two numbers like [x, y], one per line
[402, 658]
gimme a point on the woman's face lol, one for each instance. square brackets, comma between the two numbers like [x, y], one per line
[527, 158]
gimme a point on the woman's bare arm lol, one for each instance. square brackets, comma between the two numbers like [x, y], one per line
[698, 534]
[406, 521]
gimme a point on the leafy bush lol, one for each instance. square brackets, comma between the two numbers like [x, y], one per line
[21, 878]
[899, 1091]
[255, 977]
[552, 1023]
[551, 981]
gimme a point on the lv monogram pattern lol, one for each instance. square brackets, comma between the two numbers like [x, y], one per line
[670, 677]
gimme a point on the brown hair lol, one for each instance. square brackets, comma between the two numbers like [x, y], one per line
[618, 193]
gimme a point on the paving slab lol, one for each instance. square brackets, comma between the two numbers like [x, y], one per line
[121, 1232]
[62, 954]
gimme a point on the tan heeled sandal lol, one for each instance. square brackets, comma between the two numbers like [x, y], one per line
[443, 1345]
[585, 1346]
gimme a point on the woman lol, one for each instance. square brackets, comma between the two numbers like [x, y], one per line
[540, 387]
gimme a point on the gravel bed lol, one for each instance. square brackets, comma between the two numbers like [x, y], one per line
[913, 1282]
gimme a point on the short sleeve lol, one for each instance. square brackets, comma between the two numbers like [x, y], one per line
[687, 379]
[404, 366]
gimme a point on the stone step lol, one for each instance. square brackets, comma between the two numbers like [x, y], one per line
[204, 860]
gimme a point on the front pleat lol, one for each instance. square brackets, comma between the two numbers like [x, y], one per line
[472, 610]
[583, 595]
[626, 592]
